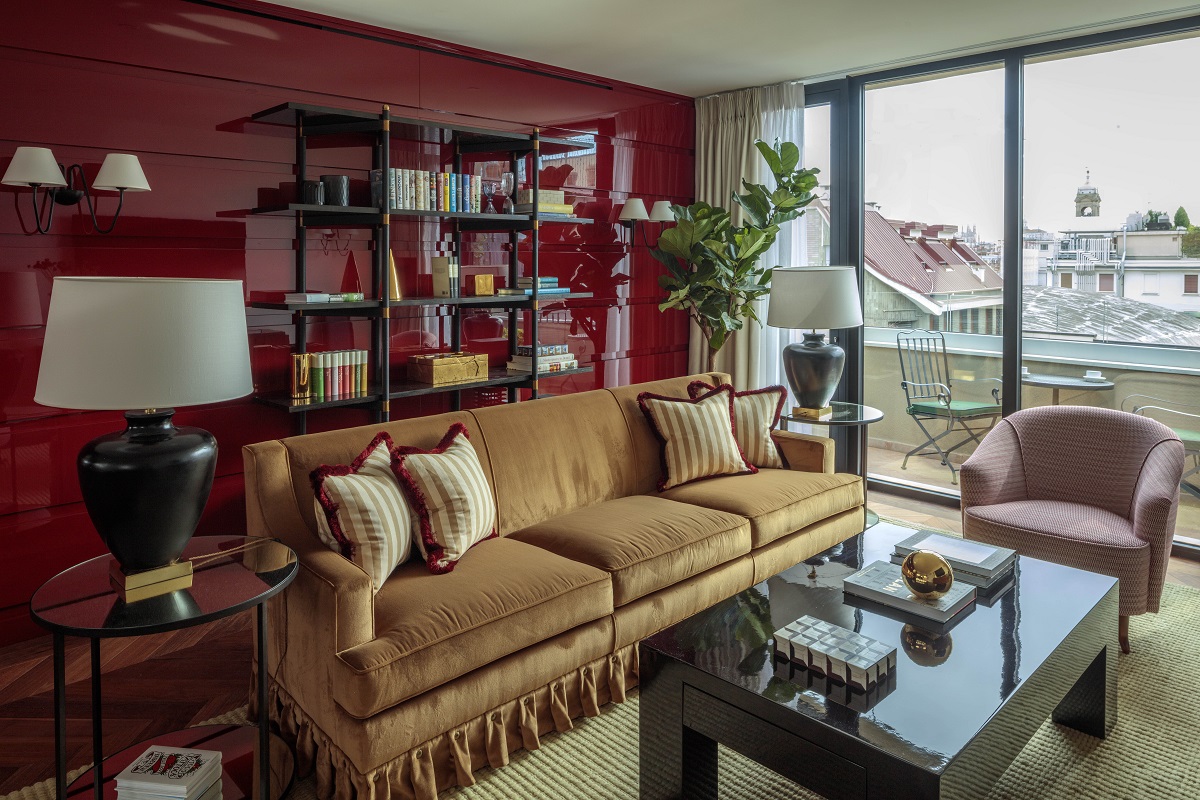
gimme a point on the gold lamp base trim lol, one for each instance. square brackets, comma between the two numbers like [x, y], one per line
[151, 582]
[812, 413]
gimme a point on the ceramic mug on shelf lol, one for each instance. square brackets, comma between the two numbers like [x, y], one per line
[313, 193]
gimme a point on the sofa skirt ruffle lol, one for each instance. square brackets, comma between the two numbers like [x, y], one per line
[452, 757]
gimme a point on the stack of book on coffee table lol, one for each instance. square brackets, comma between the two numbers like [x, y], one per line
[164, 772]
[981, 565]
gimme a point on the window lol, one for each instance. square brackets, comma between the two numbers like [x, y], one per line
[1066, 280]
[1191, 284]
[1107, 281]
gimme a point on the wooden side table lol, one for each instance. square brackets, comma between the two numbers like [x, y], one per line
[245, 573]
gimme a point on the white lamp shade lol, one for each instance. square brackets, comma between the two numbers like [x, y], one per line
[661, 212]
[139, 343]
[32, 165]
[634, 210]
[121, 171]
[814, 297]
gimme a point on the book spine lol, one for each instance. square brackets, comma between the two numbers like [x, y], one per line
[391, 187]
[452, 186]
[477, 193]
[422, 190]
[318, 375]
[365, 357]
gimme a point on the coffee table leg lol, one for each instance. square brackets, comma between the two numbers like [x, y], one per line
[97, 725]
[1091, 705]
[699, 766]
[60, 718]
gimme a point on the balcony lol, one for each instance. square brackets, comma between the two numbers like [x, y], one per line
[1163, 372]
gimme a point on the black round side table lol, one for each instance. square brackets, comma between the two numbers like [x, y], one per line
[230, 574]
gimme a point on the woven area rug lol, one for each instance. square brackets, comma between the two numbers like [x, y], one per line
[1152, 753]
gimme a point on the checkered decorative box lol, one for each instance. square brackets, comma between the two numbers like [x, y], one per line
[834, 652]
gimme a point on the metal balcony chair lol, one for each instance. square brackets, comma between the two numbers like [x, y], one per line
[925, 378]
[1185, 424]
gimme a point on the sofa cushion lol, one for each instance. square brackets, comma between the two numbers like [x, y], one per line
[755, 413]
[450, 494]
[776, 501]
[503, 596]
[361, 512]
[645, 543]
[696, 436]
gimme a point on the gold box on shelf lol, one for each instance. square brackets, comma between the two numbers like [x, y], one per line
[481, 285]
[443, 368]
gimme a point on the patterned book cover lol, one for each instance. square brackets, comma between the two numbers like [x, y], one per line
[171, 770]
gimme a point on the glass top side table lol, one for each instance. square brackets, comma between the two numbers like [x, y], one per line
[230, 574]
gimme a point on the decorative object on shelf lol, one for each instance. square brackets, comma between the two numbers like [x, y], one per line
[36, 166]
[443, 368]
[927, 574]
[814, 297]
[483, 285]
[337, 189]
[150, 344]
[508, 183]
[712, 264]
[843, 655]
[313, 193]
[394, 292]
[925, 648]
[351, 284]
[301, 384]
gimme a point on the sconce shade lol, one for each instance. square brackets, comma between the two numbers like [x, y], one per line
[121, 171]
[634, 210]
[139, 343]
[661, 212]
[33, 165]
[814, 297]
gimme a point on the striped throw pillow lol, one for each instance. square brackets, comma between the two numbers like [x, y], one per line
[697, 436]
[361, 512]
[450, 493]
[755, 413]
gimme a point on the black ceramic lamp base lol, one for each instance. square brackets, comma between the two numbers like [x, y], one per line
[146, 487]
[813, 368]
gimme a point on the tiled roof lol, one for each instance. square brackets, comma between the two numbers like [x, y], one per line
[927, 266]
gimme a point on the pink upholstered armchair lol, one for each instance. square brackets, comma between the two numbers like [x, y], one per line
[1085, 487]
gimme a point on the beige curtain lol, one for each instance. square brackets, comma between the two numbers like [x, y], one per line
[726, 126]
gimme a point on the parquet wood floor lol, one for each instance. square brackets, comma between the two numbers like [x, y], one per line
[159, 683]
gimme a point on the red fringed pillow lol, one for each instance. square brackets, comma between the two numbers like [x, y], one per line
[361, 512]
[454, 504]
[755, 413]
[697, 436]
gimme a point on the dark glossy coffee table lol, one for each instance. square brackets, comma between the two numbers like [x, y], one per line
[959, 709]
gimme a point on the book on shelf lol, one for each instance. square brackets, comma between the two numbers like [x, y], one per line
[526, 291]
[542, 349]
[445, 276]
[167, 771]
[881, 582]
[565, 209]
[306, 297]
[543, 367]
[527, 361]
[526, 283]
[976, 563]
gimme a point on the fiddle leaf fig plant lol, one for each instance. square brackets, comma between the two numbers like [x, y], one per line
[713, 270]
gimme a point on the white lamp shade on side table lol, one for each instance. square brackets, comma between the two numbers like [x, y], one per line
[814, 297]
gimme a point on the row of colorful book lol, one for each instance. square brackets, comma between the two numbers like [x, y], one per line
[525, 286]
[330, 375]
[550, 358]
[420, 190]
[171, 773]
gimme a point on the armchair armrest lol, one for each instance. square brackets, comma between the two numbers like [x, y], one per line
[805, 452]
[1155, 504]
[995, 472]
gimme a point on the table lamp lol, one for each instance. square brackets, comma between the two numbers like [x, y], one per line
[814, 297]
[150, 345]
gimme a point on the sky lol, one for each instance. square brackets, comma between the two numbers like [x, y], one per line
[934, 149]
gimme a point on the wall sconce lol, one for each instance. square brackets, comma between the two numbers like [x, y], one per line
[634, 211]
[36, 166]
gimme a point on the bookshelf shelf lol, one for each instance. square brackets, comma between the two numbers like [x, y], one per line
[452, 140]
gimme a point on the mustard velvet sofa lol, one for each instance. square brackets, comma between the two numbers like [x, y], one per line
[406, 692]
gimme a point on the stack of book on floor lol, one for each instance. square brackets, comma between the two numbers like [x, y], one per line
[172, 773]
[550, 358]
[545, 286]
[988, 568]
[880, 582]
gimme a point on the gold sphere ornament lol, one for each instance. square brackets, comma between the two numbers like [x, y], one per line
[926, 574]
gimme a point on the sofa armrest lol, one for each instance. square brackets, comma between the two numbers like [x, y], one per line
[805, 452]
[995, 472]
[1155, 505]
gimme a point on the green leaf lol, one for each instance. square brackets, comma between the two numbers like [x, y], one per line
[771, 156]
[789, 156]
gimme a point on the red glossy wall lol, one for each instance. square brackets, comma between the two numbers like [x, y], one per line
[175, 82]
